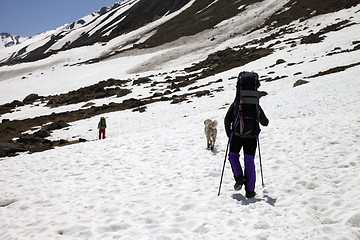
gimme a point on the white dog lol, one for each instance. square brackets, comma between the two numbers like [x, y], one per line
[210, 132]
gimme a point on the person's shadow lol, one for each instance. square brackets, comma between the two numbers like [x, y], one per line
[246, 201]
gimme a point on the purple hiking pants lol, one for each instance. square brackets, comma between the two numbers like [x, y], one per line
[249, 145]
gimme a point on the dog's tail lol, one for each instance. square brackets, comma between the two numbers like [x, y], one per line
[214, 124]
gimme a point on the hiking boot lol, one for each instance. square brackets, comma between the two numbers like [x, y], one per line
[250, 194]
[238, 183]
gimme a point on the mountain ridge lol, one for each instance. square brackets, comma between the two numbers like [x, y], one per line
[117, 20]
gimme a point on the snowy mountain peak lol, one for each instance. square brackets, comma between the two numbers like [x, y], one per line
[101, 26]
[8, 40]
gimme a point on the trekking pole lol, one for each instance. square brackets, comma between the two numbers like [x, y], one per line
[262, 177]
[222, 173]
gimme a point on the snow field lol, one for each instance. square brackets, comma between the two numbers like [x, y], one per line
[152, 178]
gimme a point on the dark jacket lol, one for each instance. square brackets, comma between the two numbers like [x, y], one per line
[230, 117]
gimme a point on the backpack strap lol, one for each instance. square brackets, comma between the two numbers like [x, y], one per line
[237, 102]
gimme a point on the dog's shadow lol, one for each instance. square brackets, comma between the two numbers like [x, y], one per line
[246, 201]
[213, 151]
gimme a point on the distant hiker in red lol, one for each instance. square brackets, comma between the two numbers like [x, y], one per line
[102, 127]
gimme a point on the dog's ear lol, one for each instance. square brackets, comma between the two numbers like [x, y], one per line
[207, 121]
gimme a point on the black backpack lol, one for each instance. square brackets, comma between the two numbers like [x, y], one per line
[246, 105]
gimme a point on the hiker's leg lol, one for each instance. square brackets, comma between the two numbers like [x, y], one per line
[249, 155]
[235, 147]
[235, 164]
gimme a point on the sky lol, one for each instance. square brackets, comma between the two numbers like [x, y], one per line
[30, 17]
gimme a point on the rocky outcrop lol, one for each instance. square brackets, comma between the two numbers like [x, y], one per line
[31, 98]
[34, 143]
[10, 149]
[9, 107]
[103, 89]
[227, 59]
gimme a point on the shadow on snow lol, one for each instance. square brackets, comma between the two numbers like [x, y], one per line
[246, 201]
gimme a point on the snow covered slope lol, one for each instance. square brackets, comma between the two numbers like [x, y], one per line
[152, 177]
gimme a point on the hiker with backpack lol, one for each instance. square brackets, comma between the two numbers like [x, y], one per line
[102, 127]
[242, 127]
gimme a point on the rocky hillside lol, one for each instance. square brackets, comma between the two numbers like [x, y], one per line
[101, 26]
[129, 15]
